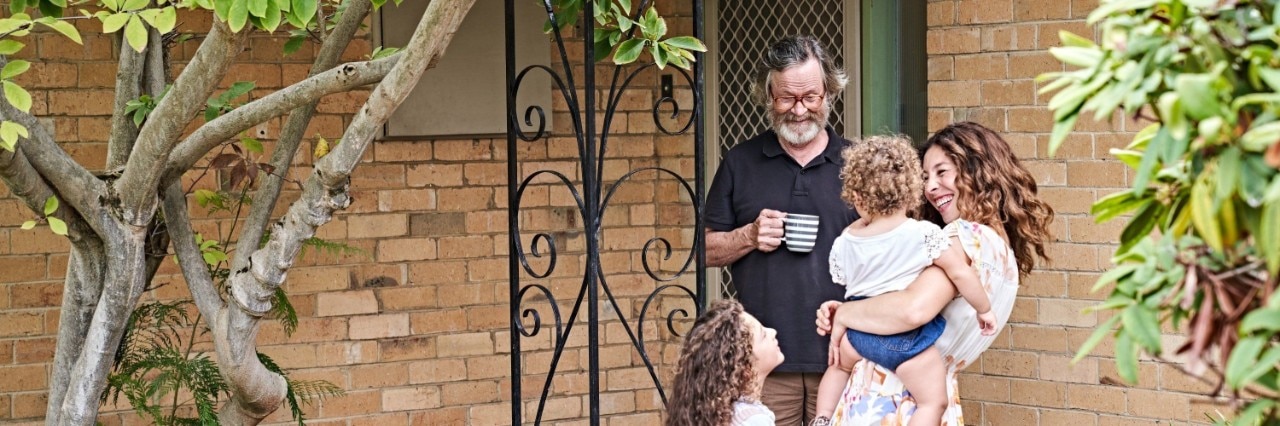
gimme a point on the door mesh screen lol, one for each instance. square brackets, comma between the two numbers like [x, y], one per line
[745, 30]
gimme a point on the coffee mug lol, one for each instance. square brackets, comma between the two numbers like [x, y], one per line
[800, 232]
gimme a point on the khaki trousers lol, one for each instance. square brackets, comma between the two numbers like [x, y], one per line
[793, 397]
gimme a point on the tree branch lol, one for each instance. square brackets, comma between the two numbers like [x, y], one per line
[295, 127]
[123, 132]
[138, 186]
[83, 287]
[343, 78]
[196, 272]
[75, 186]
[324, 192]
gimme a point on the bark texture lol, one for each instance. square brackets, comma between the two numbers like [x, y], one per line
[117, 242]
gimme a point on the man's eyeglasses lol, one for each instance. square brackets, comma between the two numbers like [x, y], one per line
[811, 102]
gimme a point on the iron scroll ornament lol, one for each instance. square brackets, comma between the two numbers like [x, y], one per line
[591, 207]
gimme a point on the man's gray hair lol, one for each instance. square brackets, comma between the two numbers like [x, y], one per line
[791, 51]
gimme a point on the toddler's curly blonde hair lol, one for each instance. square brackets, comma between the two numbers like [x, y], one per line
[884, 174]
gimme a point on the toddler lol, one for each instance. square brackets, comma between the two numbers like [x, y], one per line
[884, 251]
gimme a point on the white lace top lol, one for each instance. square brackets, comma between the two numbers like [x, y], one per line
[869, 266]
[751, 413]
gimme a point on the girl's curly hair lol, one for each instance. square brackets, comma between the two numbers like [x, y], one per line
[714, 369]
[884, 172]
[994, 189]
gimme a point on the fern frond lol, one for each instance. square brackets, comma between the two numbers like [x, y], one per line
[282, 310]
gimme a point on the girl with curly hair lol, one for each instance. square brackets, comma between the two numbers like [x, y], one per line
[974, 185]
[884, 251]
[723, 363]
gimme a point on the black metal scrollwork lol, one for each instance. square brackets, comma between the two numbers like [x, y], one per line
[591, 207]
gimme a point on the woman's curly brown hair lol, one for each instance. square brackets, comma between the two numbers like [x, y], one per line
[884, 173]
[994, 189]
[714, 369]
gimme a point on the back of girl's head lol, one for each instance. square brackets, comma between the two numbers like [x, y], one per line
[884, 172]
[994, 189]
[714, 368]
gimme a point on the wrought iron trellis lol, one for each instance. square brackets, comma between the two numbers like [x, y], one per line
[591, 206]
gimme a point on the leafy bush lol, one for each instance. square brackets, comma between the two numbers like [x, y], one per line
[1201, 247]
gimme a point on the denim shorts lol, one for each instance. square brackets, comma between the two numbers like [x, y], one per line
[892, 350]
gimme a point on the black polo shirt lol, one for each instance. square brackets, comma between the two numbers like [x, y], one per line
[783, 288]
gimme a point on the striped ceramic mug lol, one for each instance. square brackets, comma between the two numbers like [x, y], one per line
[800, 232]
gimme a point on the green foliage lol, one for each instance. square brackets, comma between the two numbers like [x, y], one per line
[615, 33]
[1200, 250]
[224, 102]
[56, 225]
[159, 370]
[143, 106]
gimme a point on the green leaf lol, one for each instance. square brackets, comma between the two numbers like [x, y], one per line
[686, 42]
[1061, 129]
[251, 144]
[28, 225]
[1126, 358]
[1252, 415]
[1115, 274]
[223, 9]
[9, 47]
[135, 4]
[1269, 235]
[1071, 40]
[659, 55]
[305, 10]
[1242, 357]
[294, 44]
[51, 10]
[1260, 137]
[17, 96]
[114, 22]
[629, 51]
[238, 89]
[239, 15]
[1102, 331]
[57, 225]
[14, 68]
[259, 7]
[9, 133]
[166, 20]
[66, 29]
[136, 33]
[1079, 56]
[271, 20]
[17, 6]
[1203, 215]
[1140, 322]
[1267, 319]
[50, 205]
[1199, 95]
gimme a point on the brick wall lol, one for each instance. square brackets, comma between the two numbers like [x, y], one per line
[998, 47]
[415, 328]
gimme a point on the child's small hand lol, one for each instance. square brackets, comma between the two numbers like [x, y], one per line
[987, 322]
[833, 349]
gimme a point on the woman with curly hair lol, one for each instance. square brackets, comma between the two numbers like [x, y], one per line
[723, 363]
[884, 251]
[987, 200]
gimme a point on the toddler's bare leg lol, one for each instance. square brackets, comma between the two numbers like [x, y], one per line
[835, 379]
[925, 376]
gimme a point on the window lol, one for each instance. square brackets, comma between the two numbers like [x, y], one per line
[464, 95]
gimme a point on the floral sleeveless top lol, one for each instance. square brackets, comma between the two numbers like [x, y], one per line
[875, 396]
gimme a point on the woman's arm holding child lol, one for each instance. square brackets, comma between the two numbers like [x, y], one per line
[956, 264]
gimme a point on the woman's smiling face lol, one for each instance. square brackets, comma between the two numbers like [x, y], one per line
[940, 183]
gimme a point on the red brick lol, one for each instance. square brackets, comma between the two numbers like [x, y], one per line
[346, 303]
[379, 326]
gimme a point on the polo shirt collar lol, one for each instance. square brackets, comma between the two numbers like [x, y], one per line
[832, 154]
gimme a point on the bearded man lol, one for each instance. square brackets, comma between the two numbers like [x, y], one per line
[792, 168]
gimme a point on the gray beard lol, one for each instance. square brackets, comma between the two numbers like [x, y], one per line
[807, 132]
[797, 137]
